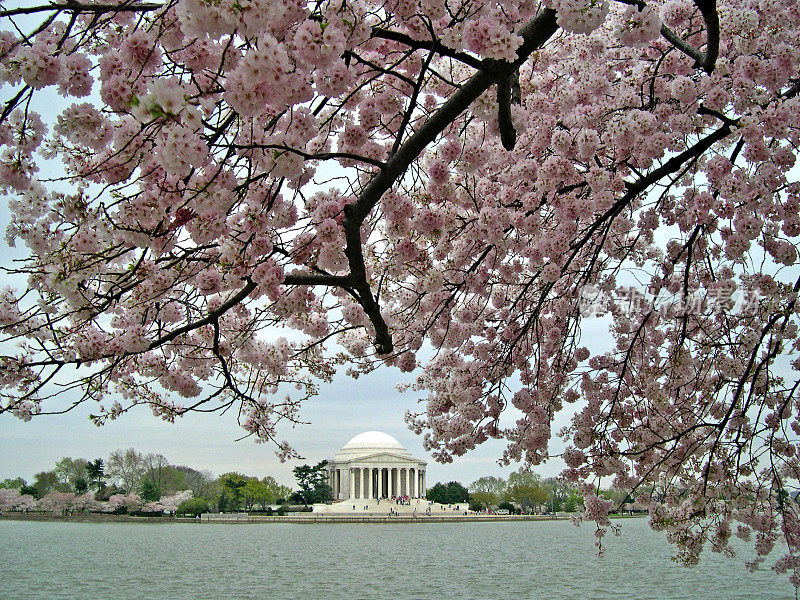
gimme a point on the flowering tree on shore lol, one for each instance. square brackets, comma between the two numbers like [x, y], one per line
[12, 500]
[58, 503]
[471, 176]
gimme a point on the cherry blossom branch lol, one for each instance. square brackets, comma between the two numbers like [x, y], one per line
[508, 135]
[433, 45]
[342, 281]
[213, 315]
[309, 155]
[689, 50]
[71, 6]
[708, 8]
[706, 60]
[537, 31]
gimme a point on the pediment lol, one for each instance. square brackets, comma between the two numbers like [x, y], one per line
[381, 458]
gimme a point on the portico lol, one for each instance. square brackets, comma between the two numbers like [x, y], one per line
[375, 465]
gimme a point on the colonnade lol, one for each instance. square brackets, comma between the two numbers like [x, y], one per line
[377, 482]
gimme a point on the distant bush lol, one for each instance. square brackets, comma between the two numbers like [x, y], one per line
[450, 493]
[294, 508]
[192, 507]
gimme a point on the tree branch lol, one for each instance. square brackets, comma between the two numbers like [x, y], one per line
[212, 316]
[505, 97]
[708, 8]
[342, 281]
[433, 45]
[705, 60]
[534, 33]
[70, 6]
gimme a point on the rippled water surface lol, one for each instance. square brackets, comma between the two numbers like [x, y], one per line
[444, 561]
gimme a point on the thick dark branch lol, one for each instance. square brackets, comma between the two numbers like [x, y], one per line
[309, 155]
[641, 184]
[687, 49]
[317, 279]
[434, 45]
[674, 163]
[77, 7]
[412, 104]
[708, 8]
[705, 60]
[508, 134]
[535, 33]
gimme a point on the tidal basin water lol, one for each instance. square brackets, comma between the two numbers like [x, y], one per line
[451, 561]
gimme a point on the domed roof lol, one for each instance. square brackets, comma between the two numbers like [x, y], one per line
[370, 442]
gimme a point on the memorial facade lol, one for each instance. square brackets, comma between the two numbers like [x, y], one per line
[375, 465]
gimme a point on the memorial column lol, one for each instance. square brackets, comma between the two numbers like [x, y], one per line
[352, 483]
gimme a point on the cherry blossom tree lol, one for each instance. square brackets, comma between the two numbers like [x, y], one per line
[129, 502]
[171, 503]
[58, 503]
[86, 503]
[253, 193]
[12, 499]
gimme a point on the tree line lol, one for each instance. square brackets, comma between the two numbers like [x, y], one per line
[129, 480]
[523, 491]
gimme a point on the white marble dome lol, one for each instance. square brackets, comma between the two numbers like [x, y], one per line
[368, 443]
[374, 465]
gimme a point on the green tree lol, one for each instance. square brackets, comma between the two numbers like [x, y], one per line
[571, 503]
[282, 492]
[490, 484]
[13, 484]
[234, 484]
[264, 492]
[558, 491]
[95, 471]
[483, 500]
[45, 482]
[69, 470]
[30, 490]
[180, 477]
[449, 493]
[254, 492]
[155, 469]
[506, 505]
[192, 507]
[437, 493]
[81, 486]
[526, 489]
[313, 483]
[127, 467]
[224, 502]
[149, 491]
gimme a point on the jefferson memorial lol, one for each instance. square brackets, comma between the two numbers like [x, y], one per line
[375, 465]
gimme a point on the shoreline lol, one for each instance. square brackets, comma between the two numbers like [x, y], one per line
[304, 519]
